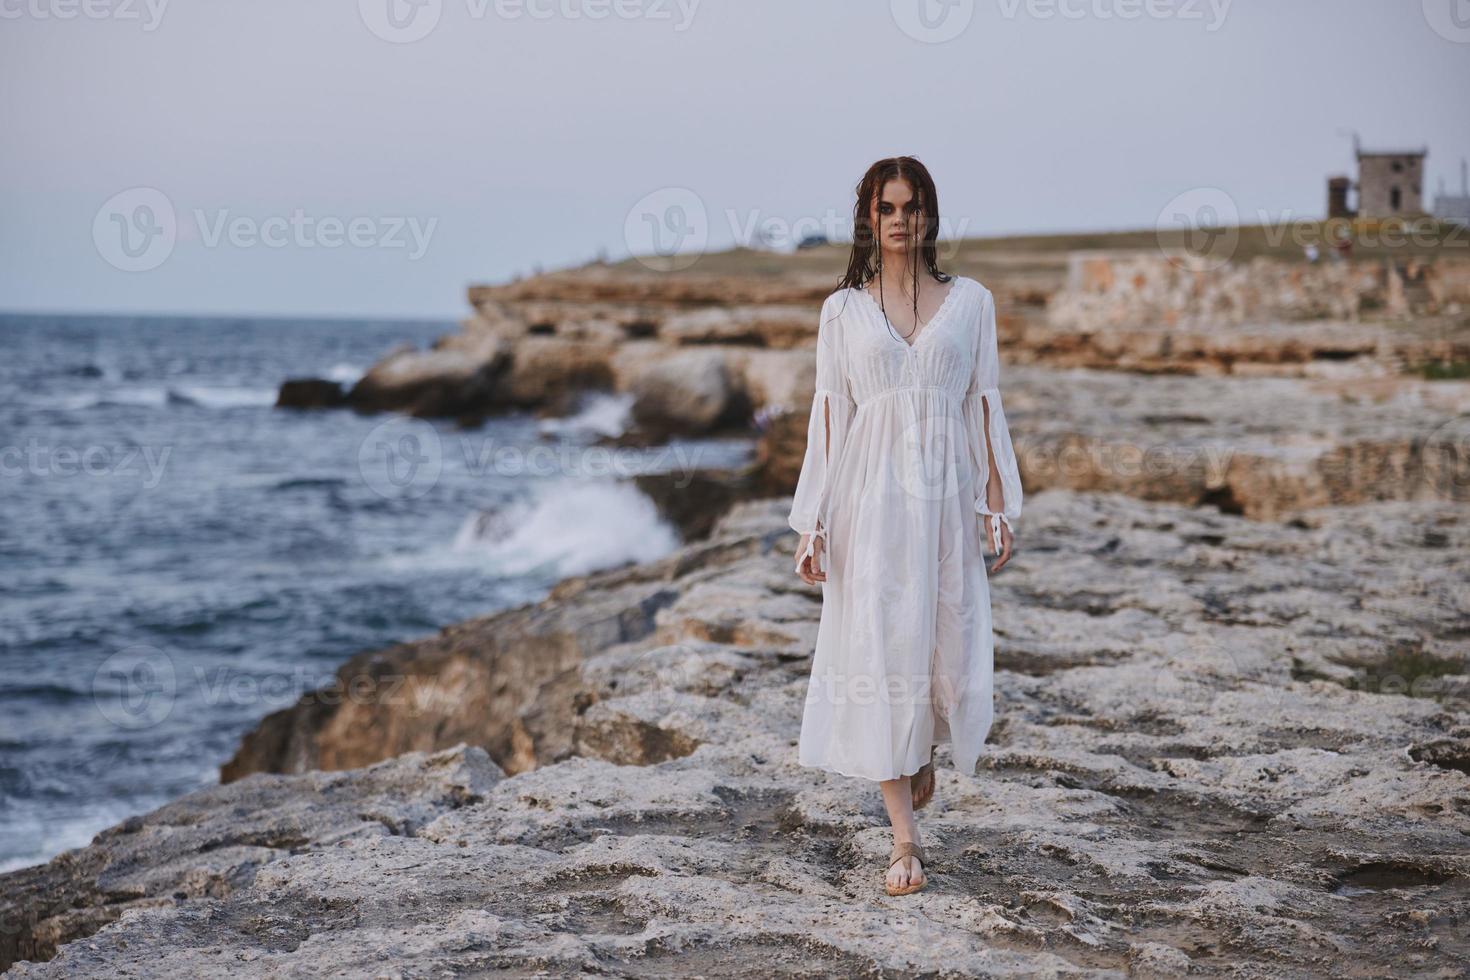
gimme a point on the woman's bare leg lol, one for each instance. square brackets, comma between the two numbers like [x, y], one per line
[923, 783]
[898, 798]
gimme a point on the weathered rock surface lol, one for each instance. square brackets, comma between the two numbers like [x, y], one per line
[1140, 311]
[508, 683]
[1252, 446]
[1262, 448]
[310, 393]
[1224, 747]
[776, 326]
[212, 844]
[454, 378]
[1224, 425]
[1319, 349]
[1116, 288]
[616, 287]
[694, 501]
[687, 393]
[535, 343]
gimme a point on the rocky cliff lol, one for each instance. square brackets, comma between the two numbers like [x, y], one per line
[702, 352]
[1233, 704]
[1315, 410]
[1120, 288]
[1224, 747]
[1261, 447]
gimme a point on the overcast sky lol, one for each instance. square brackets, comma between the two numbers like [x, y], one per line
[373, 157]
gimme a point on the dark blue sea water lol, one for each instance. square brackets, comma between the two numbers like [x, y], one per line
[179, 558]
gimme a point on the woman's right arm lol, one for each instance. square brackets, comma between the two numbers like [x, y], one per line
[827, 424]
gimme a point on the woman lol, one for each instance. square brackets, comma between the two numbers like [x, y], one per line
[909, 473]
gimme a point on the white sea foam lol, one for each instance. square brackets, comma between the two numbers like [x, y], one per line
[158, 397]
[573, 528]
[226, 397]
[345, 374]
[601, 414]
[46, 832]
[146, 397]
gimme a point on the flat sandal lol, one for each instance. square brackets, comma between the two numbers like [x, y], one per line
[906, 849]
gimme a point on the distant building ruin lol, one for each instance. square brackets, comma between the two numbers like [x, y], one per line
[1337, 197]
[1390, 184]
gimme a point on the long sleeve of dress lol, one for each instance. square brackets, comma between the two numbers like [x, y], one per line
[983, 393]
[826, 434]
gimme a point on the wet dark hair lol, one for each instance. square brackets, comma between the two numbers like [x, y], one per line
[865, 262]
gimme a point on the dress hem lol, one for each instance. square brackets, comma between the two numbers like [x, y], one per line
[858, 775]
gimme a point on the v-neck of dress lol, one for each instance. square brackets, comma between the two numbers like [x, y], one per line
[954, 287]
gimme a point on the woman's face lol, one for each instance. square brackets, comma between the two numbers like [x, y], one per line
[896, 217]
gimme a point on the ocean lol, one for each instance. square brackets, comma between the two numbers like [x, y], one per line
[178, 557]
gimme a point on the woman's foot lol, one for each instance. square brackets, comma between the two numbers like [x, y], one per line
[905, 869]
[921, 783]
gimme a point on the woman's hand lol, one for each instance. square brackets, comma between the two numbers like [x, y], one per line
[810, 565]
[1007, 541]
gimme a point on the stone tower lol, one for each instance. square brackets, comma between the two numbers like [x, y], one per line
[1391, 182]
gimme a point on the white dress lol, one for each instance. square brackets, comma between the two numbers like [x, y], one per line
[895, 485]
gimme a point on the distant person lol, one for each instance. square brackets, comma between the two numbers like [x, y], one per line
[895, 518]
[1312, 252]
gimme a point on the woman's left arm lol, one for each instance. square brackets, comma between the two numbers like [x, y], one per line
[998, 493]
